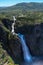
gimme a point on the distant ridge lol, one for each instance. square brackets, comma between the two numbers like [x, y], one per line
[32, 6]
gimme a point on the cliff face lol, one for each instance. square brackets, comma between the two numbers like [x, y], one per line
[15, 49]
[34, 38]
[3, 35]
[7, 23]
[11, 44]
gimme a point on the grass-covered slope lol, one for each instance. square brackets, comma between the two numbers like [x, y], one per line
[32, 6]
[5, 59]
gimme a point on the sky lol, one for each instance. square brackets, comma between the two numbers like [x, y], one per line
[13, 2]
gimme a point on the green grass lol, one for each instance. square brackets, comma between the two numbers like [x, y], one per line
[4, 57]
[7, 30]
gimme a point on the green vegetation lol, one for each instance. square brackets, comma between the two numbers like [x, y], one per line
[24, 19]
[27, 18]
[24, 16]
[4, 57]
[23, 7]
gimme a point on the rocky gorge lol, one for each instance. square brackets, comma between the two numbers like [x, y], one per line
[33, 35]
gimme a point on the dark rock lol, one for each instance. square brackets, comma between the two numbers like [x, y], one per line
[35, 40]
[16, 50]
[7, 23]
[34, 37]
[12, 45]
[3, 35]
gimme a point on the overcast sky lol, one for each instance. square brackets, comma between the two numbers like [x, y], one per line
[13, 2]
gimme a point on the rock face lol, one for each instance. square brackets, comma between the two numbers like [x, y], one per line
[15, 49]
[34, 38]
[7, 23]
[3, 35]
[11, 45]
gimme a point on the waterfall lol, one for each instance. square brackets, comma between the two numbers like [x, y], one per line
[26, 52]
[13, 32]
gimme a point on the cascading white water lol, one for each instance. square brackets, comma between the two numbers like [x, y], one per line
[26, 52]
[13, 32]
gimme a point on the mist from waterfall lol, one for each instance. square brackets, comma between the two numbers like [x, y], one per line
[26, 52]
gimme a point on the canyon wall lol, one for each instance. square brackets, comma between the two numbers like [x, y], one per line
[33, 36]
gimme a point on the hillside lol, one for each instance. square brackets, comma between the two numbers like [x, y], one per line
[23, 7]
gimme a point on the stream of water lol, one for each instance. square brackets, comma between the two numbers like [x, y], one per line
[26, 53]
